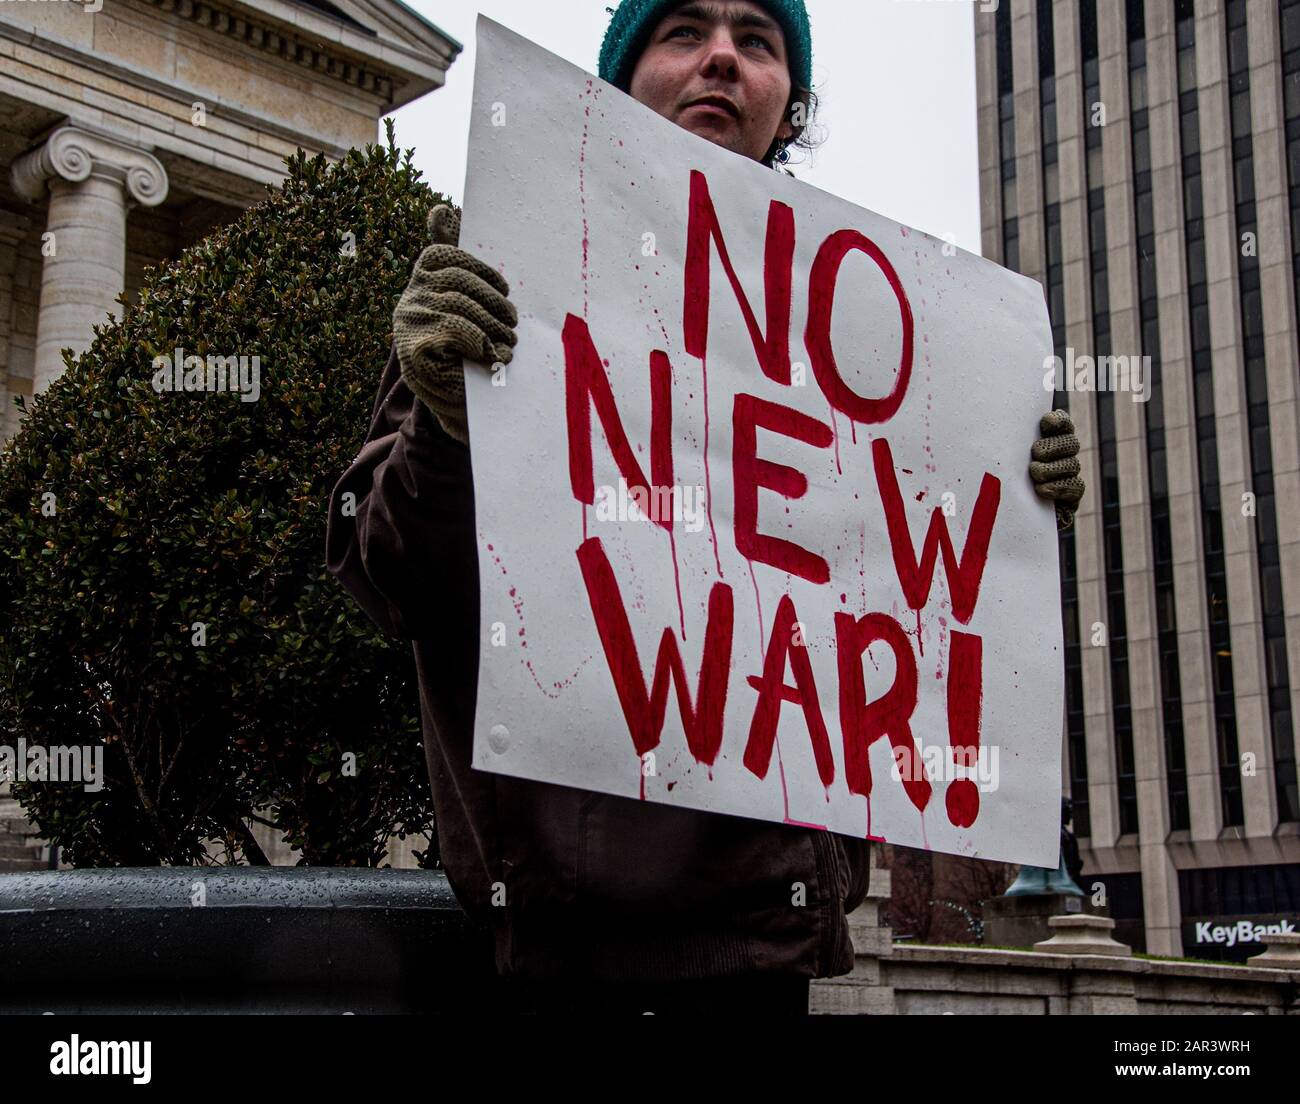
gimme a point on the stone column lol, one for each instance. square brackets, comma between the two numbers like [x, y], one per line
[90, 178]
[10, 238]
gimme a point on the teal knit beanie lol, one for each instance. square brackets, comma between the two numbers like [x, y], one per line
[635, 21]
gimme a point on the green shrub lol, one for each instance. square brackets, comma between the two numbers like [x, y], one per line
[129, 516]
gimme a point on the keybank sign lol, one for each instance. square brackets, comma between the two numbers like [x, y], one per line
[1240, 931]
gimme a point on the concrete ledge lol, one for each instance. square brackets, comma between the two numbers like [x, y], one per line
[978, 981]
[1030, 960]
[239, 939]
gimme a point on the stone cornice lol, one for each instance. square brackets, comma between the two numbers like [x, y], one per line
[300, 47]
[167, 90]
[75, 153]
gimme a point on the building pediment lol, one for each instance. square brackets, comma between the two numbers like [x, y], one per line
[387, 18]
[380, 46]
[221, 91]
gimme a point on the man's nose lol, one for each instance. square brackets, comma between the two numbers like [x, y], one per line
[720, 56]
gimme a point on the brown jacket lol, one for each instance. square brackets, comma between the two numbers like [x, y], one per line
[572, 882]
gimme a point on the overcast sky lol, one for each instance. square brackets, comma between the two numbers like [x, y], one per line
[896, 80]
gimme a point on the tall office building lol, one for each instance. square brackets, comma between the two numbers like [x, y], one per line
[1142, 161]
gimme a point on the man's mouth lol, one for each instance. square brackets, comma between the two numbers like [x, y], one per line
[719, 102]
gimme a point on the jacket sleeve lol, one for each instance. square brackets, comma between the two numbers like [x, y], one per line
[401, 518]
[859, 852]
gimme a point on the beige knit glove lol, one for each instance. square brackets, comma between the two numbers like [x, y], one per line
[455, 306]
[1055, 466]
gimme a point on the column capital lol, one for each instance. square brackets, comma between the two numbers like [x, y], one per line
[74, 153]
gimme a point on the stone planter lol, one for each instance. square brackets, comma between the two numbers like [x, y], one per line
[239, 939]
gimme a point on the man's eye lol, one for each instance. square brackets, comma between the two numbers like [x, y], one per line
[746, 41]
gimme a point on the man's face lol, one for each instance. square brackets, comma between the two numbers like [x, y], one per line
[730, 54]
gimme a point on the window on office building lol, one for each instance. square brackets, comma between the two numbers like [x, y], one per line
[1112, 546]
[1268, 558]
[1007, 140]
[1289, 13]
[1075, 735]
[1216, 582]
[1171, 697]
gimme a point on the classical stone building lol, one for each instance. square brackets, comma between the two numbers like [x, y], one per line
[131, 128]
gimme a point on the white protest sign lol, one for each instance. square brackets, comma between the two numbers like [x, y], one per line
[756, 531]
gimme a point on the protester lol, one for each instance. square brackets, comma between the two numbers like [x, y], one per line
[597, 902]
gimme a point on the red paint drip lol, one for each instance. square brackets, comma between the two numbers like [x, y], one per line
[557, 688]
[942, 657]
[708, 482]
[758, 602]
[785, 797]
[785, 794]
[677, 578]
[582, 197]
[664, 330]
[862, 561]
[877, 839]
[835, 435]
